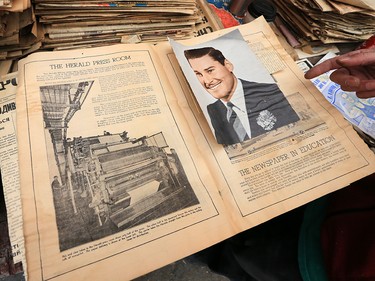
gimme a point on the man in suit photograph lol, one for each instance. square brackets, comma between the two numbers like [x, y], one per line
[243, 109]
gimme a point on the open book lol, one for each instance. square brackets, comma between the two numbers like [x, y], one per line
[120, 168]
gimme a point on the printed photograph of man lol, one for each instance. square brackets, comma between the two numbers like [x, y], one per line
[243, 109]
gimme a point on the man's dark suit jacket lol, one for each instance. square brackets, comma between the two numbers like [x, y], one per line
[261, 100]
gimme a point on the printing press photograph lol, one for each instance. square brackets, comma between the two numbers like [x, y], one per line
[107, 183]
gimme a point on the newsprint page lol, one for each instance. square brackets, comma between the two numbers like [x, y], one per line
[9, 165]
[121, 168]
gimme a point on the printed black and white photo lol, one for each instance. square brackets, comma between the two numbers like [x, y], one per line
[241, 100]
[108, 182]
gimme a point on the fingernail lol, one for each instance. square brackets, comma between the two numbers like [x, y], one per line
[308, 75]
[353, 83]
[343, 60]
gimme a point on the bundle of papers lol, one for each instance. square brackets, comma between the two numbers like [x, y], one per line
[17, 29]
[328, 21]
[68, 24]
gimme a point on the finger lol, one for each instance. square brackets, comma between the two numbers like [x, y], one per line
[365, 94]
[351, 83]
[357, 58]
[343, 77]
[367, 85]
[321, 68]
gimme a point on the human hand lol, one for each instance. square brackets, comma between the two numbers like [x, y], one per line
[355, 72]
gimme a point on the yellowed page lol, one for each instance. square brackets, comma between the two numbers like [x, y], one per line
[9, 165]
[140, 179]
[367, 4]
[130, 188]
[286, 167]
[343, 8]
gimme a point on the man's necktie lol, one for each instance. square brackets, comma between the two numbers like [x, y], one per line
[235, 121]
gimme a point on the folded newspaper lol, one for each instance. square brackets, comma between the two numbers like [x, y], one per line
[121, 170]
[9, 172]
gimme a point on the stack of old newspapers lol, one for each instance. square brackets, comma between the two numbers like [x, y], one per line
[18, 33]
[72, 24]
[328, 21]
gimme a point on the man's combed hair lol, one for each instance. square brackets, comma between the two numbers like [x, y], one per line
[200, 52]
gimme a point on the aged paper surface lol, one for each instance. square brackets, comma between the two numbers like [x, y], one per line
[126, 177]
[91, 24]
[367, 4]
[119, 166]
[343, 8]
[9, 165]
[278, 163]
[344, 23]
